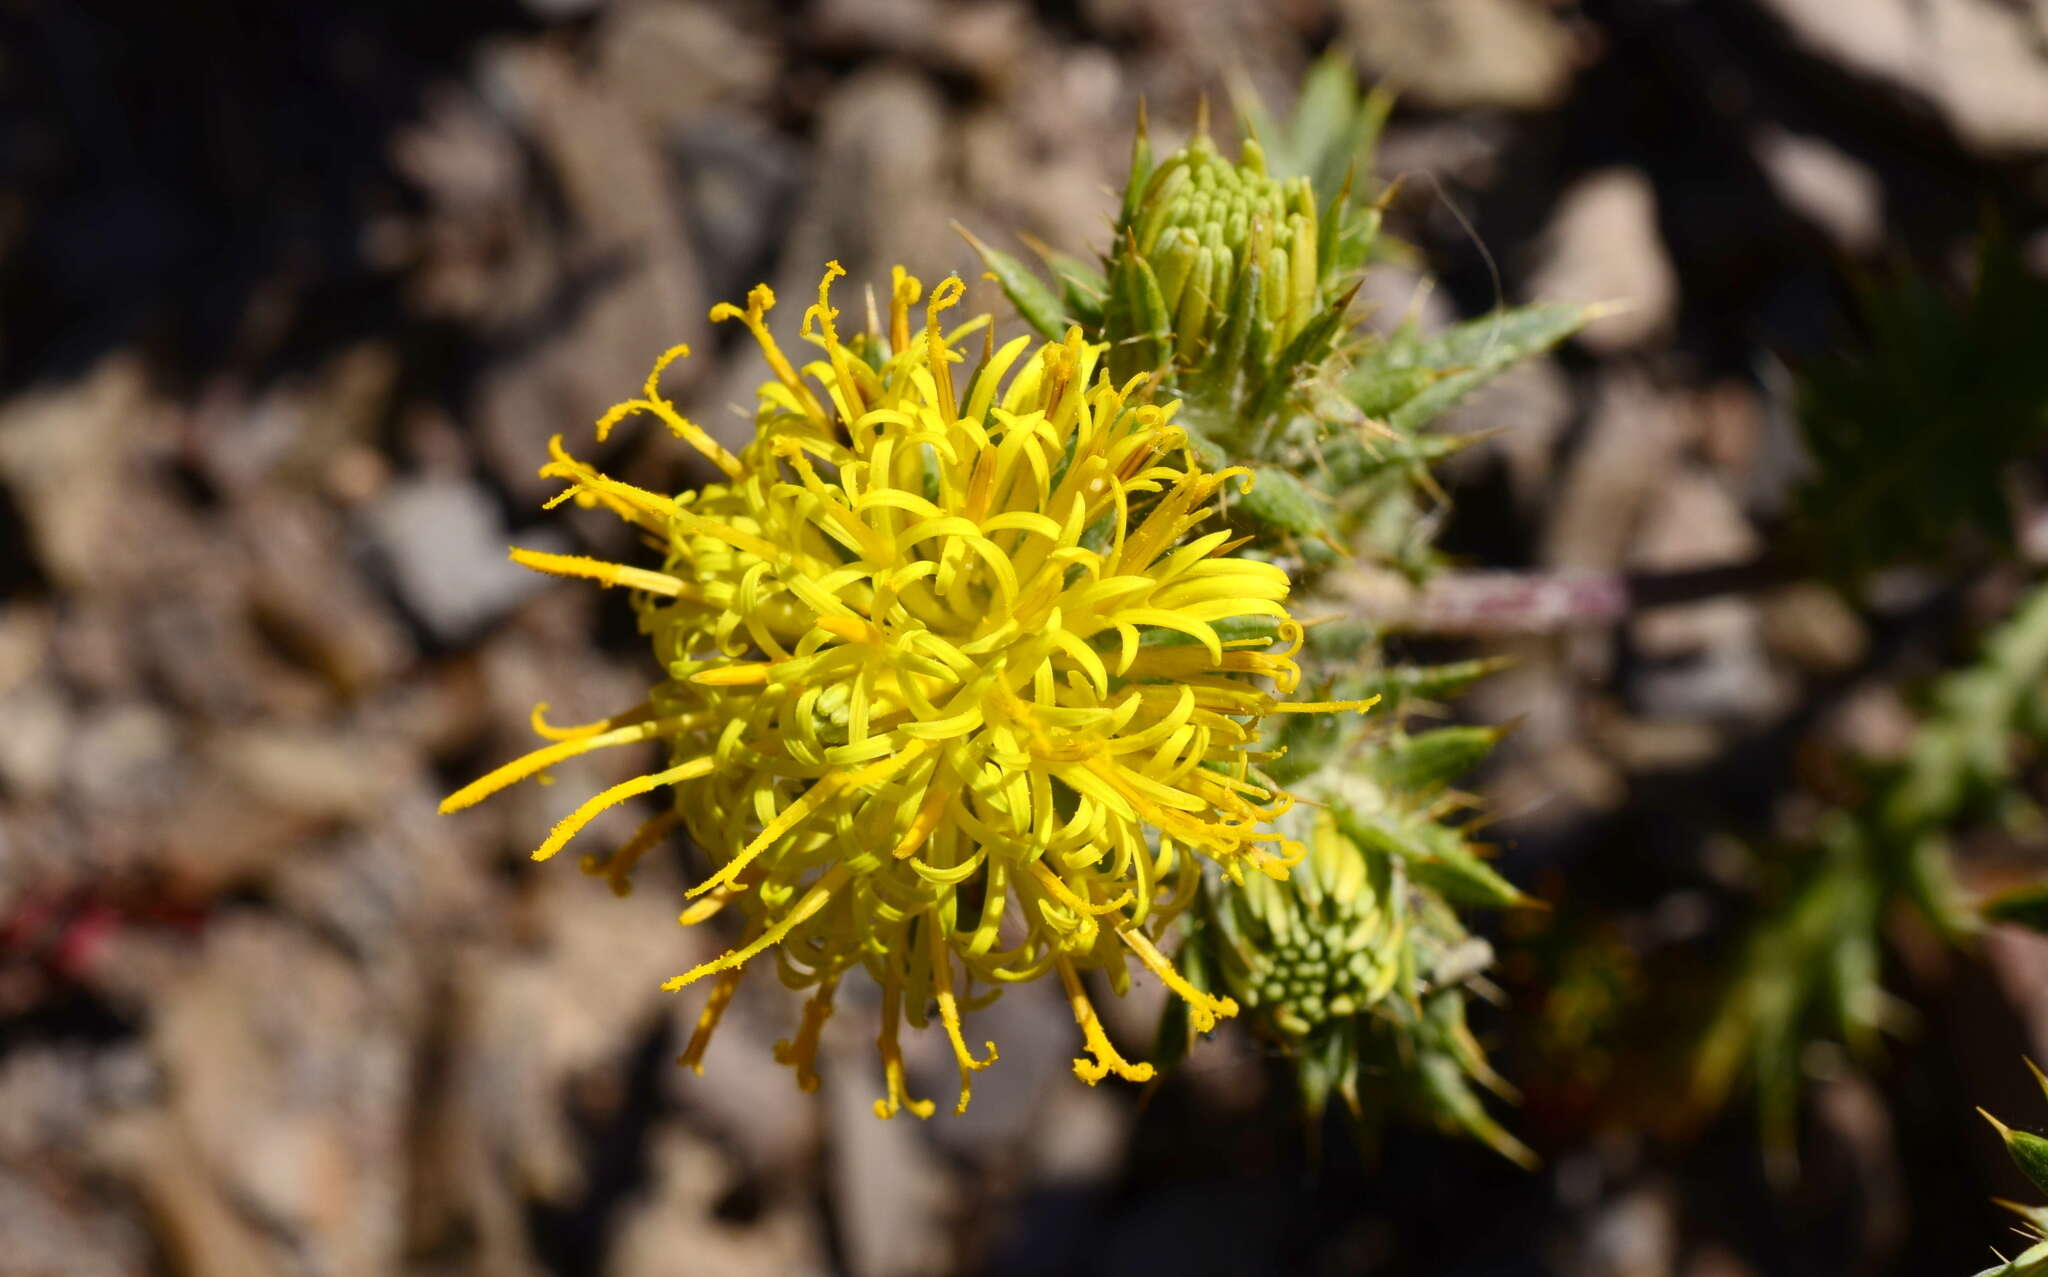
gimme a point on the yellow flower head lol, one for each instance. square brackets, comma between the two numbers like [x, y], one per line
[960, 691]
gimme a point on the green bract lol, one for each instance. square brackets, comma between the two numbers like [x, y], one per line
[2029, 1152]
[1326, 944]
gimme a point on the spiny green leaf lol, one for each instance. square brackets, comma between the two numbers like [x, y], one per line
[1436, 856]
[1427, 682]
[1083, 289]
[2028, 1151]
[1135, 319]
[1427, 761]
[1352, 460]
[1912, 430]
[1036, 303]
[1277, 499]
[1466, 879]
[1458, 361]
[2036, 1216]
[1378, 391]
[1446, 1077]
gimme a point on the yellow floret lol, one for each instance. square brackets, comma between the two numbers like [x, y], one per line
[958, 689]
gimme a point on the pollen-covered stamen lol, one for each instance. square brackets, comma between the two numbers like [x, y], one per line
[797, 812]
[569, 825]
[1107, 1060]
[1203, 1009]
[722, 991]
[844, 384]
[898, 1097]
[949, 1009]
[546, 731]
[760, 300]
[707, 907]
[679, 425]
[813, 900]
[605, 573]
[801, 1052]
[547, 756]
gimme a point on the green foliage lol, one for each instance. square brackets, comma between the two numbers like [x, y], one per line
[1358, 964]
[1912, 432]
[1410, 379]
[1811, 966]
[1232, 281]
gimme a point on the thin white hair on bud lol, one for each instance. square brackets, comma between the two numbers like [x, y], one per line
[1499, 310]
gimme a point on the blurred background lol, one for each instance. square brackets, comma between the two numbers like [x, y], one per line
[291, 298]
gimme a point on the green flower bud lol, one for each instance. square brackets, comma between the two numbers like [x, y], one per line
[1322, 945]
[1235, 252]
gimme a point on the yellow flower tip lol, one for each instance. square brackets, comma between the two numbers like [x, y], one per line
[1204, 1009]
[1325, 707]
[1278, 867]
[888, 1108]
[823, 314]
[944, 297]
[897, 1097]
[547, 731]
[1093, 1070]
[603, 572]
[571, 824]
[760, 300]
[1105, 1058]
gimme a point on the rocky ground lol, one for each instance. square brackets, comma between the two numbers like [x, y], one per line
[291, 297]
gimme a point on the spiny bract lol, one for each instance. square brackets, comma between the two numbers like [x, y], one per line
[957, 689]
